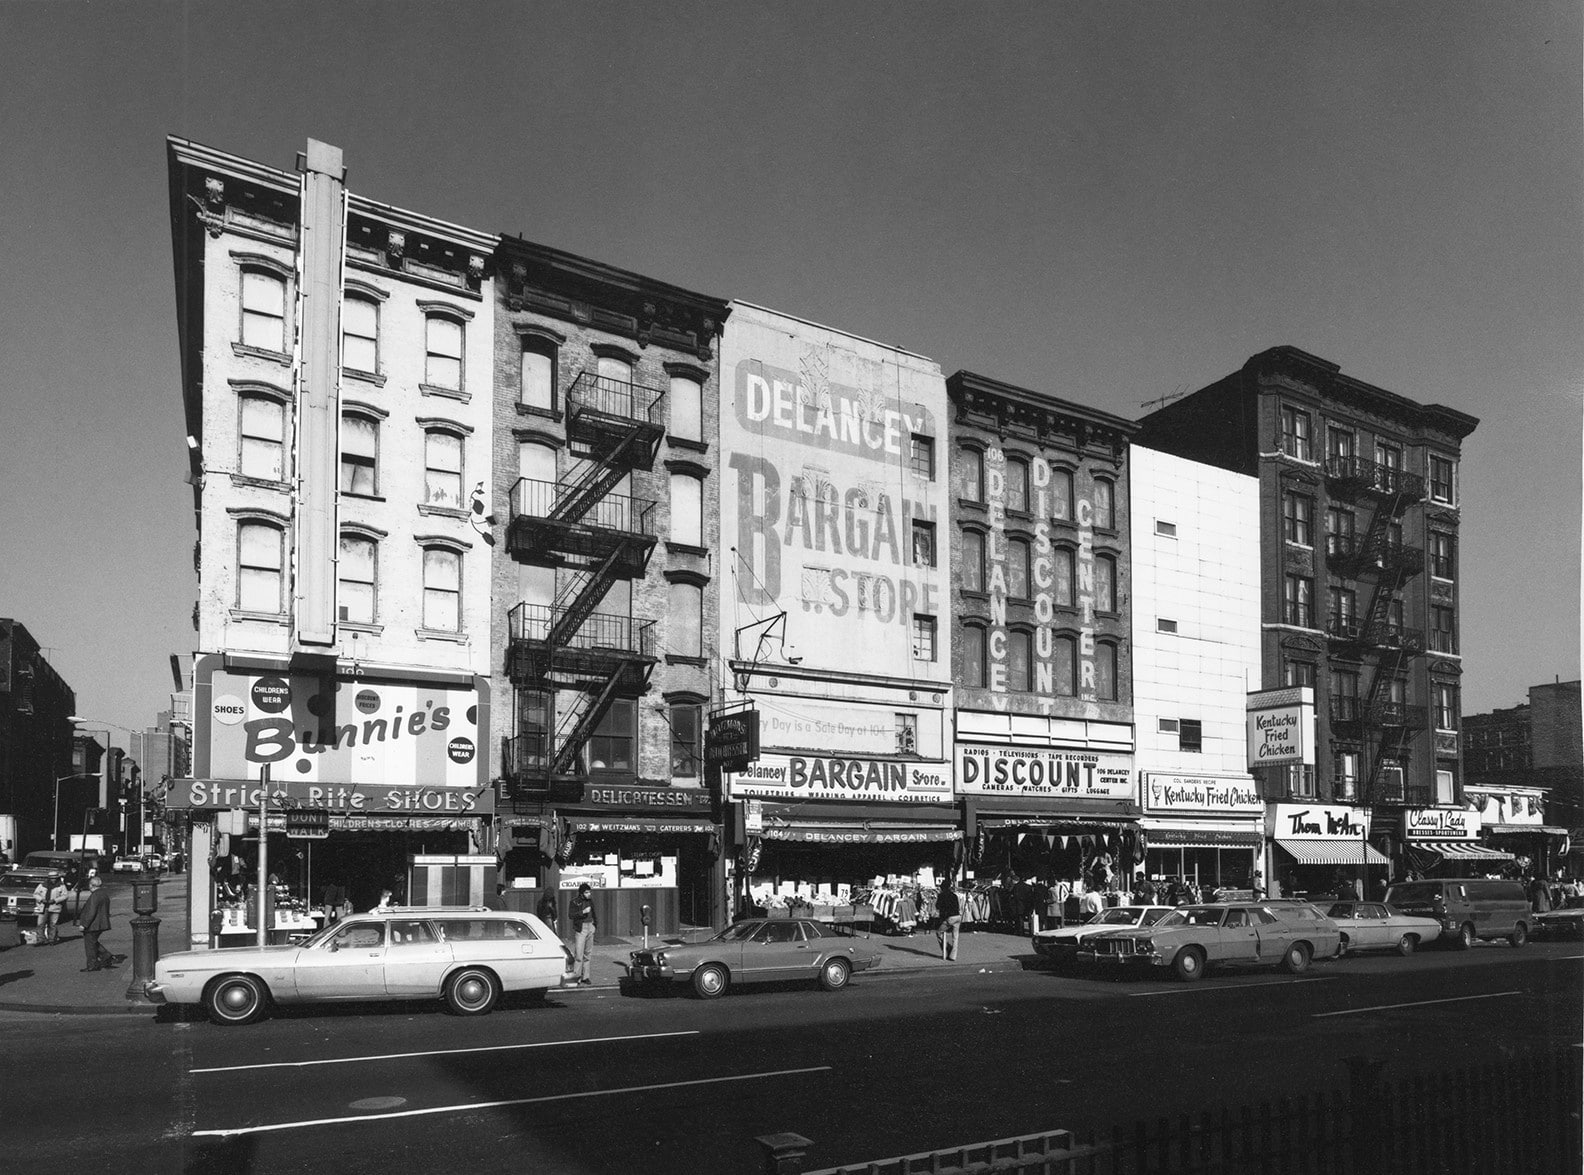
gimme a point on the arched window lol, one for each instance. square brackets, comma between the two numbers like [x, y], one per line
[1105, 583]
[1020, 660]
[1105, 671]
[443, 352]
[973, 561]
[972, 666]
[356, 577]
[263, 310]
[1017, 485]
[685, 631]
[1063, 568]
[687, 748]
[1104, 504]
[359, 454]
[687, 408]
[687, 510]
[1018, 569]
[442, 588]
[538, 373]
[1061, 488]
[261, 566]
[970, 474]
[534, 494]
[442, 469]
[1064, 664]
[360, 334]
[262, 440]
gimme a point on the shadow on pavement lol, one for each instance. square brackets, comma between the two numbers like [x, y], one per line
[13, 976]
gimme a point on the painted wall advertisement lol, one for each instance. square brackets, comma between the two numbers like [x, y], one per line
[1201, 793]
[1044, 771]
[1318, 822]
[823, 777]
[835, 476]
[350, 745]
[810, 724]
[1441, 824]
[1281, 727]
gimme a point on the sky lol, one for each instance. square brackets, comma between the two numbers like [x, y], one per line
[1109, 202]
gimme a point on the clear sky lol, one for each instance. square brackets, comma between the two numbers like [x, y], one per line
[1110, 201]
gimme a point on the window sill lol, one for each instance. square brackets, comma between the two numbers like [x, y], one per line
[974, 594]
[687, 443]
[448, 393]
[260, 483]
[368, 377]
[362, 497]
[363, 626]
[456, 512]
[243, 351]
[436, 634]
[687, 549]
[534, 410]
[683, 659]
[973, 503]
[259, 617]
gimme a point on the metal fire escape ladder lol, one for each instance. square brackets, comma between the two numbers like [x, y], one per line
[1394, 649]
[578, 724]
[575, 498]
[586, 587]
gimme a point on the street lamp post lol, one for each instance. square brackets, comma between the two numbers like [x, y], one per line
[55, 825]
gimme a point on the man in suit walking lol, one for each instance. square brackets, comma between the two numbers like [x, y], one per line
[94, 918]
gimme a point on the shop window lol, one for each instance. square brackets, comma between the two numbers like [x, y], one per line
[1017, 485]
[261, 567]
[360, 334]
[1063, 574]
[1190, 734]
[356, 578]
[1018, 569]
[359, 455]
[1105, 583]
[972, 667]
[970, 474]
[686, 748]
[443, 469]
[442, 588]
[685, 632]
[1104, 504]
[686, 408]
[1295, 433]
[263, 310]
[538, 373]
[1020, 658]
[973, 561]
[442, 352]
[1105, 661]
[923, 637]
[1298, 601]
[1064, 666]
[1298, 519]
[921, 455]
[1443, 480]
[262, 440]
[687, 510]
[1061, 489]
[923, 544]
[611, 746]
[907, 734]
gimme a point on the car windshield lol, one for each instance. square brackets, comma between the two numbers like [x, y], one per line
[738, 931]
[21, 881]
[1198, 916]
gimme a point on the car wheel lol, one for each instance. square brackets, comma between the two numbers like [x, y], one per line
[1406, 944]
[236, 999]
[471, 991]
[710, 981]
[834, 975]
[1342, 947]
[1465, 936]
[1189, 964]
[1519, 936]
[1296, 960]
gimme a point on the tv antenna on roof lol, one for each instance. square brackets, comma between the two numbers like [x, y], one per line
[1177, 393]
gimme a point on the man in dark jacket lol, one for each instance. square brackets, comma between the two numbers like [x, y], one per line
[94, 918]
[950, 911]
[583, 928]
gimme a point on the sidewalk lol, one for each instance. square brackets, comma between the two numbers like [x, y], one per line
[50, 979]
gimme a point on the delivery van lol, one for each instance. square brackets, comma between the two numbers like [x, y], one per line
[1468, 908]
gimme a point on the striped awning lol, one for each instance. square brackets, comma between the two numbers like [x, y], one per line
[1461, 850]
[1332, 852]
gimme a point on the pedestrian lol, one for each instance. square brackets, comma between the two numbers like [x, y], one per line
[94, 918]
[546, 910]
[384, 903]
[583, 928]
[50, 926]
[40, 906]
[498, 900]
[950, 911]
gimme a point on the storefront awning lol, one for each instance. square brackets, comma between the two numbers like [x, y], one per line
[1332, 852]
[1203, 838]
[1521, 829]
[1062, 825]
[865, 834]
[651, 824]
[1460, 850]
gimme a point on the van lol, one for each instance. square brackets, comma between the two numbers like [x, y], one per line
[1467, 907]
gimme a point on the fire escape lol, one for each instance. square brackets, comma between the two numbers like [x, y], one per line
[1382, 721]
[578, 659]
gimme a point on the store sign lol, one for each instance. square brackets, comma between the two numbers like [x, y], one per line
[648, 799]
[1440, 824]
[1200, 793]
[819, 777]
[731, 741]
[826, 834]
[1043, 771]
[809, 724]
[1281, 727]
[1317, 821]
[337, 798]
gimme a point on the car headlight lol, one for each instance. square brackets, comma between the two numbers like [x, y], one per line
[1146, 946]
[660, 958]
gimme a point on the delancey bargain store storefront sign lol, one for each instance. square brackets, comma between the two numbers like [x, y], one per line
[347, 745]
[822, 777]
[1063, 774]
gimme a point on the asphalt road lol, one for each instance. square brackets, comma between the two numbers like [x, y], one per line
[603, 1082]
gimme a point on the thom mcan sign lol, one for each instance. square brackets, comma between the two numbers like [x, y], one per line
[1281, 727]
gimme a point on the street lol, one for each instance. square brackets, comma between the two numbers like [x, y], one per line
[604, 1081]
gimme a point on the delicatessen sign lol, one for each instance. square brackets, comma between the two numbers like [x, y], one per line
[823, 777]
[1044, 771]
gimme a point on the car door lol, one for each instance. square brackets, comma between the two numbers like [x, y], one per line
[1369, 929]
[349, 965]
[777, 951]
[1240, 938]
[415, 958]
[1275, 934]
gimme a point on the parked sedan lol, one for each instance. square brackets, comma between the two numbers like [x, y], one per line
[467, 957]
[1061, 945]
[1375, 926]
[757, 950]
[1242, 933]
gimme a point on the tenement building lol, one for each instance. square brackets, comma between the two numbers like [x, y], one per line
[1358, 520]
[337, 357]
[606, 464]
[1042, 596]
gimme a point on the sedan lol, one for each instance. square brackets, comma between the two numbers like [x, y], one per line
[1375, 926]
[467, 957]
[1061, 945]
[1192, 938]
[758, 950]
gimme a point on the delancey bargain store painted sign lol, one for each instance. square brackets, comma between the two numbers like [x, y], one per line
[348, 745]
[828, 777]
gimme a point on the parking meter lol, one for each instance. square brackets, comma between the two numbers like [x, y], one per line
[643, 917]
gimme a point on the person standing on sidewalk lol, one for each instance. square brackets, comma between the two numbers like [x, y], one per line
[56, 904]
[950, 911]
[583, 927]
[95, 920]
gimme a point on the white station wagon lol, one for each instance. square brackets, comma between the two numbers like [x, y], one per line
[467, 957]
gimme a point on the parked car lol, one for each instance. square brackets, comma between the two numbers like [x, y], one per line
[1191, 938]
[77, 864]
[467, 957]
[1564, 922]
[1468, 908]
[1374, 926]
[757, 950]
[17, 886]
[1060, 945]
[127, 865]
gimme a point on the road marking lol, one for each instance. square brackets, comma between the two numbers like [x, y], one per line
[469, 1107]
[1230, 986]
[493, 1048]
[1457, 999]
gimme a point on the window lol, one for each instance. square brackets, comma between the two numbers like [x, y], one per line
[1339, 442]
[1104, 504]
[1166, 530]
[1064, 665]
[973, 561]
[443, 469]
[1339, 531]
[1443, 634]
[538, 373]
[923, 637]
[1063, 573]
[970, 481]
[1441, 555]
[1344, 695]
[687, 408]
[355, 578]
[1297, 779]
[1105, 583]
[1298, 601]
[263, 310]
[360, 334]
[921, 455]
[1443, 480]
[1446, 705]
[263, 438]
[1389, 455]
[1446, 787]
[1062, 494]
[1018, 569]
[1164, 625]
[442, 352]
[1020, 656]
[1166, 725]
[1396, 617]
[260, 567]
[923, 544]
[610, 747]
[442, 588]
[1298, 673]
[1190, 735]
[1295, 433]
[687, 510]
[686, 634]
[1298, 519]
[1344, 774]
[359, 455]
[973, 657]
[686, 752]
[1017, 485]
[1343, 606]
[1105, 660]
[907, 734]
[534, 713]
